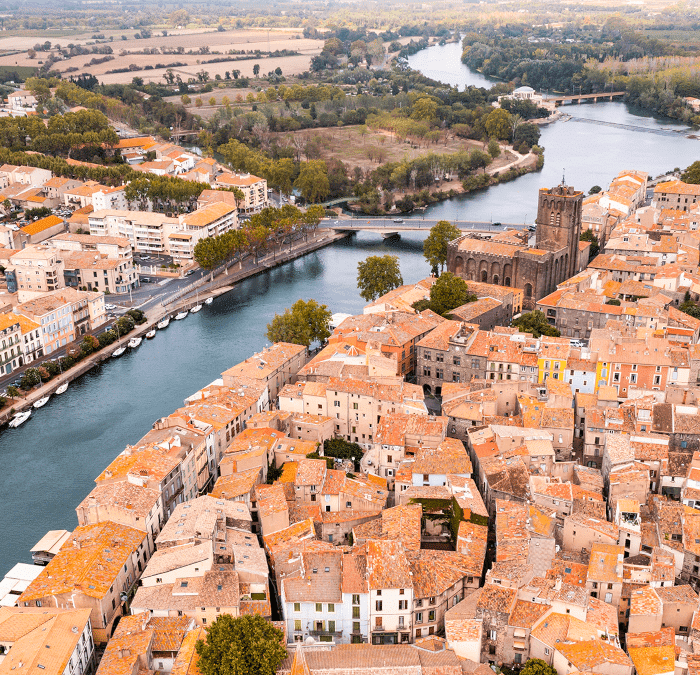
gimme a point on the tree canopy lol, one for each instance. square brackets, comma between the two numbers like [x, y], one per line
[435, 244]
[377, 275]
[692, 174]
[246, 645]
[304, 323]
[588, 235]
[536, 324]
[537, 667]
[448, 293]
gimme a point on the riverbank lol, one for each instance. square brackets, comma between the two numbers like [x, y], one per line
[187, 298]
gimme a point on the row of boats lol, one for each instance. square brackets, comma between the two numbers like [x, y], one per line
[22, 417]
[163, 323]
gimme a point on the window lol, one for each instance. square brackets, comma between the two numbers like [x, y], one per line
[431, 615]
[440, 358]
[492, 635]
[355, 612]
[297, 624]
[419, 617]
[457, 361]
[331, 607]
[403, 604]
[378, 605]
[546, 651]
[319, 606]
[331, 626]
[336, 404]
[355, 599]
[439, 373]
[355, 626]
[297, 607]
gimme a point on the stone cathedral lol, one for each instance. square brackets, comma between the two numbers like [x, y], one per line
[507, 260]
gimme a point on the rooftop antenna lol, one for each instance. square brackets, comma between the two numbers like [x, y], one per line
[563, 177]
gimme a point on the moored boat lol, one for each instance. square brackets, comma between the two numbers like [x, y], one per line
[135, 342]
[151, 334]
[163, 323]
[181, 315]
[20, 418]
[208, 301]
[119, 351]
[42, 401]
[195, 309]
[62, 388]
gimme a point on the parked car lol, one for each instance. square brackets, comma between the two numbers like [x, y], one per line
[145, 280]
[189, 273]
[109, 306]
[398, 220]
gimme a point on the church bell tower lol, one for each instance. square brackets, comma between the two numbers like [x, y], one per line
[559, 223]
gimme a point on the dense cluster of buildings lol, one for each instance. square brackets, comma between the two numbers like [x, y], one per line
[58, 268]
[500, 497]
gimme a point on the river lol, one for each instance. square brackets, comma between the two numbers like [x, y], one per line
[50, 463]
[587, 154]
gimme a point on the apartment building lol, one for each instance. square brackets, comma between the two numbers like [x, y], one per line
[110, 198]
[83, 577]
[11, 341]
[33, 271]
[27, 632]
[254, 190]
[146, 231]
[274, 367]
[355, 405]
[99, 272]
[676, 194]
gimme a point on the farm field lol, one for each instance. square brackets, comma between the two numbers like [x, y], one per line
[124, 56]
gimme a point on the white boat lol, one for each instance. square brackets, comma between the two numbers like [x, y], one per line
[195, 309]
[135, 342]
[163, 323]
[181, 315]
[42, 401]
[208, 301]
[20, 418]
[151, 334]
[62, 388]
[119, 351]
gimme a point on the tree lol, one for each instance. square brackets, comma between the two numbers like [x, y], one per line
[526, 134]
[256, 69]
[424, 109]
[494, 148]
[449, 292]
[435, 244]
[692, 174]
[13, 392]
[595, 190]
[186, 100]
[246, 645]
[497, 124]
[342, 449]
[536, 324]
[312, 180]
[595, 244]
[304, 323]
[537, 667]
[377, 275]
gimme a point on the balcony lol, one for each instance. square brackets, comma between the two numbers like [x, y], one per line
[319, 633]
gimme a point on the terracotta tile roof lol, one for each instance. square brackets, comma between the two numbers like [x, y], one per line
[236, 485]
[660, 638]
[653, 660]
[187, 659]
[645, 602]
[450, 456]
[525, 614]
[495, 598]
[88, 562]
[387, 566]
[321, 580]
[605, 564]
[41, 225]
[587, 655]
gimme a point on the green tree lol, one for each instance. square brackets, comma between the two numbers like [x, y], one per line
[208, 253]
[537, 667]
[13, 392]
[246, 645]
[377, 275]
[256, 69]
[312, 181]
[304, 323]
[342, 449]
[595, 190]
[494, 148]
[435, 244]
[424, 109]
[536, 324]
[449, 292]
[498, 125]
[588, 235]
[692, 174]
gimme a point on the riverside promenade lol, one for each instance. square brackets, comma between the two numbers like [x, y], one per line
[224, 281]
